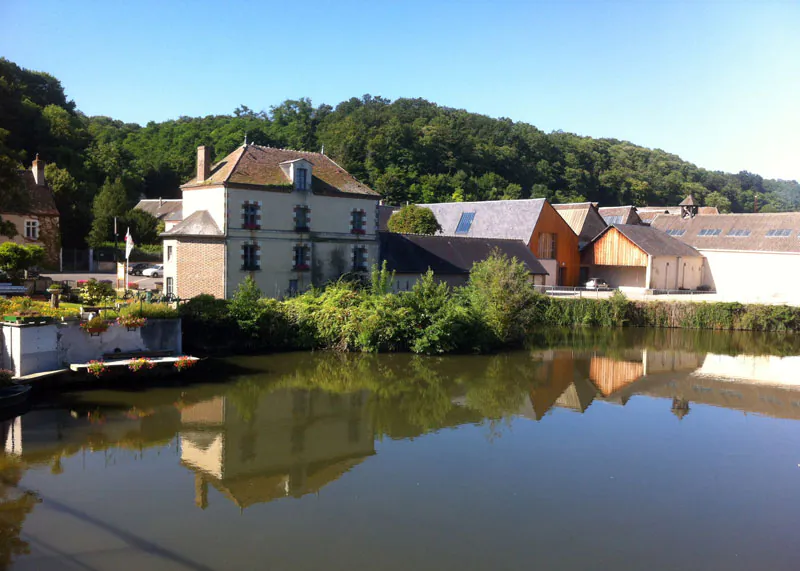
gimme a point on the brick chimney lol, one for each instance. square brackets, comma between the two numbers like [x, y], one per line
[203, 163]
[38, 170]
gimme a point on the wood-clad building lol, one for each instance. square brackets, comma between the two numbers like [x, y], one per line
[533, 221]
[631, 256]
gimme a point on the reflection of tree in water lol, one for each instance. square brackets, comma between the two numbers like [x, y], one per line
[15, 505]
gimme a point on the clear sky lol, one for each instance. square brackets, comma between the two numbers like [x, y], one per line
[716, 82]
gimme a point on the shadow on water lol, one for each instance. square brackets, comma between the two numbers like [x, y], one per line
[258, 429]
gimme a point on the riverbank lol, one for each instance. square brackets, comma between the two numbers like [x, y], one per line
[497, 310]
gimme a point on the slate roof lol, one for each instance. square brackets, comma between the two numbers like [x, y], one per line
[160, 208]
[414, 254]
[40, 197]
[199, 223]
[620, 215]
[583, 218]
[729, 225]
[507, 219]
[256, 166]
[653, 241]
[384, 213]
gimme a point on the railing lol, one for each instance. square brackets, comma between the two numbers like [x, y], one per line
[580, 291]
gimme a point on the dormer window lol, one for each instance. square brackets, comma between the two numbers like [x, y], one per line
[301, 178]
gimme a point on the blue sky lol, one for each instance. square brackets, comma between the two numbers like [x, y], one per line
[716, 82]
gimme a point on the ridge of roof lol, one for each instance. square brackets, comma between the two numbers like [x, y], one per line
[198, 223]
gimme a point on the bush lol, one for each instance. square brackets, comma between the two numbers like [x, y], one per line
[93, 292]
[149, 310]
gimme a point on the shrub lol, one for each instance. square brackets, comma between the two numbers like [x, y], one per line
[149, 310]
[135, 365]
[94, 292]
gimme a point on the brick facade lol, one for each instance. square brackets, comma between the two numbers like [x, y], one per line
[200, 267]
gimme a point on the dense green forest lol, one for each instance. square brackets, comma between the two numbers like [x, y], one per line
[408, 149]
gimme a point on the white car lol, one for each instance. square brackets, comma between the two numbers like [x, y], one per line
[597, 283]
[154, 272]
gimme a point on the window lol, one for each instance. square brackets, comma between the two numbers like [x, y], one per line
[739, 233]
[675, 232]
[32, 229]
[547, 246]
[358, 222]
[251, 257]
[465, 223]
[360, 259]
[301, 179]
[779, 233]
[170, 286]
[293, 288]
[302, 218]
[251, 215]
[169, 253]
[301, 256]
[613, 219]
[710, 232]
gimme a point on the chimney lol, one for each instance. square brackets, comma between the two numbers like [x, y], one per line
[38, 170]
[203, 163]
[160, 202]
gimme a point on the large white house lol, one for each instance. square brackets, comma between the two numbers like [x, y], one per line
[290, 219]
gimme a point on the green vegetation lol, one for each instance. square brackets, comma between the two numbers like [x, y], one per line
[15, 258]
[497, 309]
[148, 310]
[413, 219]
[409, 150]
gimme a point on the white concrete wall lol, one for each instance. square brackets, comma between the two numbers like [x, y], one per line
[552, 269]
[211, 199]
[619, 276]
[753, 276]
[171, 264]
[670, 272]
[29, 349]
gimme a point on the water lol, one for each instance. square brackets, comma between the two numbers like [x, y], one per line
[630, 450]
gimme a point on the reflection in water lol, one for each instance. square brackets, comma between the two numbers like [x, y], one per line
[295, 424]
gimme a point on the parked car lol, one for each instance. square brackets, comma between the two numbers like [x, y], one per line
[153, 272]
[597, 283]
[137, 269]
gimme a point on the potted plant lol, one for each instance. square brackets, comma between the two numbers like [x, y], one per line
[136, 365]
[25, 316]
[184, 362]
[131, 322]
[97, 368]
[55, 288]
[95, 326]
[10, 392]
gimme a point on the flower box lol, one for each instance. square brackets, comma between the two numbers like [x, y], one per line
[301, 268]
[358, 231]
[251, 226]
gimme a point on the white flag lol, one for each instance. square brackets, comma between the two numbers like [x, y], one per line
[128, 244]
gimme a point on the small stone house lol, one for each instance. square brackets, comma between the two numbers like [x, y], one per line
[36, 222]
[289, 219]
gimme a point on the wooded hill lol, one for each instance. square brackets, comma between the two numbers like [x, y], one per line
[408, 149]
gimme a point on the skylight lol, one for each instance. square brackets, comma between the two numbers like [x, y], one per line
[739, 232]
[613, 219]
[779, 233]
[465, 223]
[710, 232]
[676, 232]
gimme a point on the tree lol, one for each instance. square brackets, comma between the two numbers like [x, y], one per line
[15, 258]
[143, 225]
[108, 203]
[719, 200]
[413, 219]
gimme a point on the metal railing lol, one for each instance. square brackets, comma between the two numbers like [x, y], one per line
[581, 292]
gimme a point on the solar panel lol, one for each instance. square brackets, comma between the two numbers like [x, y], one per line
[613, 219]
[739, 232]
[710, 232]
[676, 232]
[465, 223]
[779, 233]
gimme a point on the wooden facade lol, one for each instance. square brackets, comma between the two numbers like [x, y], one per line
[610, 375]
[614, 249]
[567, 249]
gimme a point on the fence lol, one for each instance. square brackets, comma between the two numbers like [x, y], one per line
[602, 292]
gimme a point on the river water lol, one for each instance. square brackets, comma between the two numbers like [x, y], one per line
[623, 450]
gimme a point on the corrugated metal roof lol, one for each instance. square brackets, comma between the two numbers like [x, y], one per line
[759, 224]
[254, 165]
[507, 219]
[199, 223]
[414, 254]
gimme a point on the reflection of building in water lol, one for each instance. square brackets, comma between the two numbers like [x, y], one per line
[284, 443]
[574, 379]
